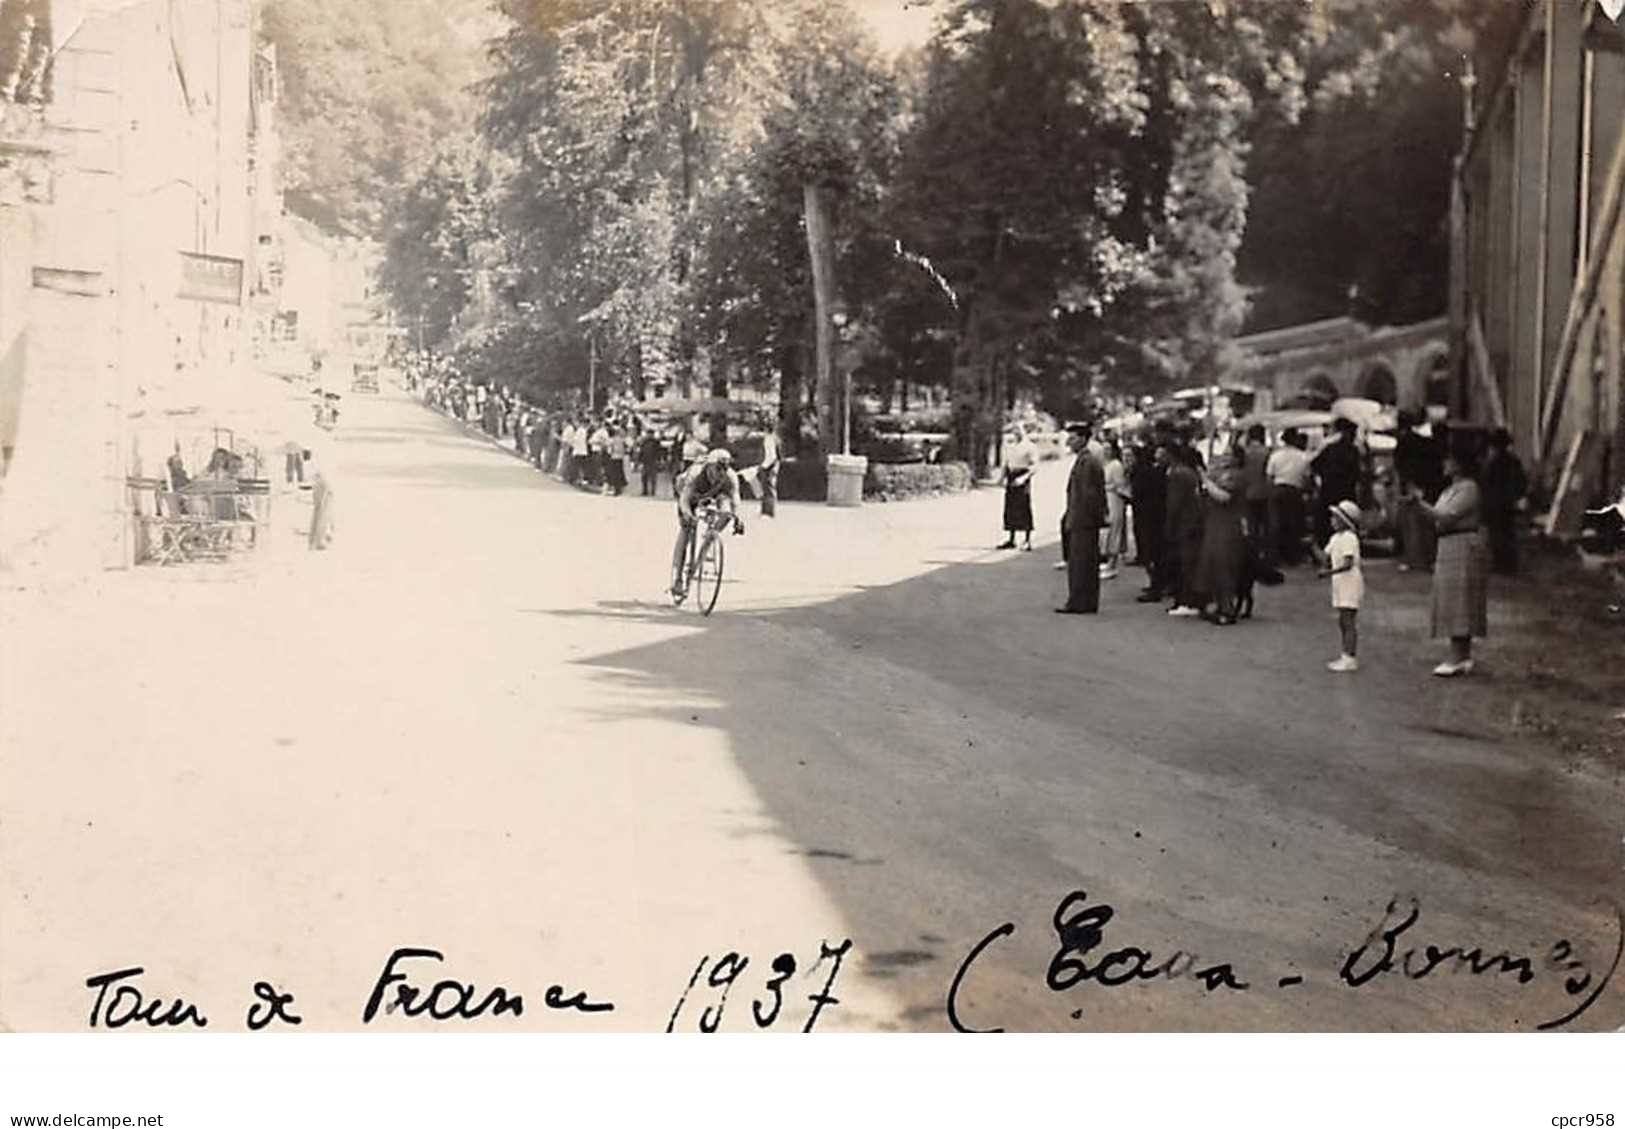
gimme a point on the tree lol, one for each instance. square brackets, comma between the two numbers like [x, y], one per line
[1078, 174]
[368, 87]
[432, 253]
[1350, 202]
[623, 115]
[814, 181]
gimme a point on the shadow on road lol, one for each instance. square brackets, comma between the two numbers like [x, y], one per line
[952, 755]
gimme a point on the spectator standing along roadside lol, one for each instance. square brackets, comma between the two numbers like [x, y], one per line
[1182, 530]
[1337, 466]
[1504, 484]
[1461, 571]
[649, 453]
[581, 453]
[1115, 533]
[1288, 470]
[769, 476]
[1419, 469]
[1148, 485]
[1342, 564]
[1020, 458]
[1256, 488]
[615, 461]
[1085, 514]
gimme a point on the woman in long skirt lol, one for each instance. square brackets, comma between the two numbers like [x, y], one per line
[1461, 569]
[1182, 532]
[1019, 462]
[1224, 539]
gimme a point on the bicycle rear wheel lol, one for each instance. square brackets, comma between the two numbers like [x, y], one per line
[708, 577]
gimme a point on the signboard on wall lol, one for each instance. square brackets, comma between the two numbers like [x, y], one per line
[85, 283]
[211, 278]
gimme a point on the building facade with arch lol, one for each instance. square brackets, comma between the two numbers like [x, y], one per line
[1401, 366]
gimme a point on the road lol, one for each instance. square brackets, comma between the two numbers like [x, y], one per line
[477, 726]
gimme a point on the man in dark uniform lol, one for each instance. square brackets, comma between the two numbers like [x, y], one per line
[1085, 515]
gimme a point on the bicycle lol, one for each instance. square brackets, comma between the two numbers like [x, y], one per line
[704, 565]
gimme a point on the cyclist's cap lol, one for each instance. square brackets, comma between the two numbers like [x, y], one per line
[720, 455]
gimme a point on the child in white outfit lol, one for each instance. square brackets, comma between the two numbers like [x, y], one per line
[1341, 562]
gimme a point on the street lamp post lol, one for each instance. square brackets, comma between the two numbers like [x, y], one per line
[840, 321]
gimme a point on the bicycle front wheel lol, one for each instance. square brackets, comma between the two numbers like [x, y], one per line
[709, 574]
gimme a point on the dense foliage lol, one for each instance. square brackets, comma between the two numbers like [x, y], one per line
[1049, 200]
[1351, 203]
[368, 88]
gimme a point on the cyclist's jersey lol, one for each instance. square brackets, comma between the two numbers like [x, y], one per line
[699, 484]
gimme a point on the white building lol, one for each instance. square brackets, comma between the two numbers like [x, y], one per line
[134, 312]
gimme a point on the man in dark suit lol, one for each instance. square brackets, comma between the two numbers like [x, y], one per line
[1085, 515]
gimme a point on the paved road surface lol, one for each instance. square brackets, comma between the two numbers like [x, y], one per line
[477, 726]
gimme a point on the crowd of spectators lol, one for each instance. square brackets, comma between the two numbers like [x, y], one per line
[1207, 529]
[606, 451]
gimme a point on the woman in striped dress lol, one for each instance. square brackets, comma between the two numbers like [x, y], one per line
[1461, 569]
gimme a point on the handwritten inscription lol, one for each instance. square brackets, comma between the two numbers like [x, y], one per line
[412, 984]
[1376, 955]
[726, 970]
[1081, 958]
[453, 999]
[447, 999]
[1080, 930]
[128, 1004]
[272, 1006]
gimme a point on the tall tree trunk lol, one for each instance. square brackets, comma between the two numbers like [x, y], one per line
[905, 365]
[821, 250]
[808, 353]
[686, 350]
[790, 398]
[1001, 382]
[640, 384]
[692, 81]
[962, 391]
[970, 392]
[719, 390]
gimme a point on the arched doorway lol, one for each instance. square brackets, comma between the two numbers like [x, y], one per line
[1318, 390]
[1378, 383]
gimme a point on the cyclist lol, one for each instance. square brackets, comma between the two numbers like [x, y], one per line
[709, 480]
